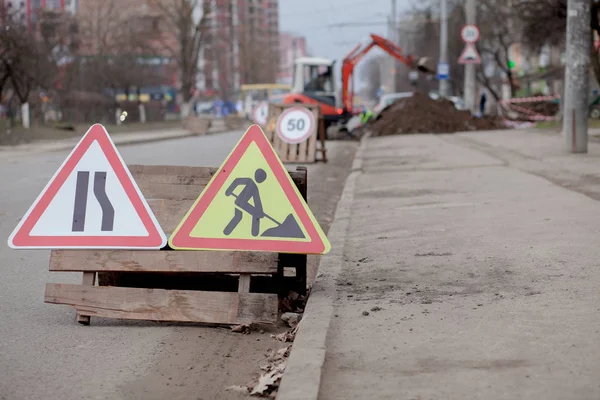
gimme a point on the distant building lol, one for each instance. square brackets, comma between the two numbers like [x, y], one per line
[242, 46]
[28, 12]
[290, 48]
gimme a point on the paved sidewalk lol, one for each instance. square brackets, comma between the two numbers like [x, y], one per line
[118, 138]
[470, 271]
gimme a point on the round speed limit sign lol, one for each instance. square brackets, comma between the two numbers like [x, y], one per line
[295, 125]
[469, 33]
[261, 113]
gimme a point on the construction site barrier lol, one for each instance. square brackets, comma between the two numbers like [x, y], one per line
[508, 106]
[306, 151]
[218, 287]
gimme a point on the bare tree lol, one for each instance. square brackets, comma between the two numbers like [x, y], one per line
[545, 23]
[26, 64]
[420, 36]
[115, 42]
[186, 21]
[498, 34]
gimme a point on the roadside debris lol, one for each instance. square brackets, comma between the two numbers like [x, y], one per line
[268, 382]
[293, 302]
[288, 336]
[421, 114]
[243, 328]
[291, 319]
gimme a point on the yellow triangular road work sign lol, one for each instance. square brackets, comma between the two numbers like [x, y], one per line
[251, 204]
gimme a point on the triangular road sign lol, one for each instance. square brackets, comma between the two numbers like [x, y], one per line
[91, 202]
[469, 55]
[251, 204]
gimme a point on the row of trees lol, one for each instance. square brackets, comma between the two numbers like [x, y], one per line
[532, 25]
[71, 58]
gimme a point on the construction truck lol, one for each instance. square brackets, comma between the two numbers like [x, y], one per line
[314, 80]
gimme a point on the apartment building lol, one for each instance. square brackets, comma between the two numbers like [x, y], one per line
[27, 12]
[242, 46]
[290, 48]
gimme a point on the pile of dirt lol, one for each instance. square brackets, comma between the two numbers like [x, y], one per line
[421, 114]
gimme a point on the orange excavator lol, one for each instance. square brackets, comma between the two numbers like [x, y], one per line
[314, 79]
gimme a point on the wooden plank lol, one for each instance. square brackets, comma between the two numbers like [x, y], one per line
[163, 261]
[302, 149]
[89, 278]
[311, 151]
[170, 212]
[269, 134]
[282, 150]
[173, 182]
[165, 305]
[292, 153]
[244, 284]
[322, 137]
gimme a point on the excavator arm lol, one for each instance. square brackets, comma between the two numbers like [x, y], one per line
[359, 52]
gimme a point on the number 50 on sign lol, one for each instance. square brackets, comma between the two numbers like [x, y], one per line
[295, 125]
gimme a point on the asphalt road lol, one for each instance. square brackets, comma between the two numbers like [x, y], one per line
[44, 354]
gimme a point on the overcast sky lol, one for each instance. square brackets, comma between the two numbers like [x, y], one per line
[310, 18]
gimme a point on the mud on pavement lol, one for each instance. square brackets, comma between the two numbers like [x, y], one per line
[197, 362]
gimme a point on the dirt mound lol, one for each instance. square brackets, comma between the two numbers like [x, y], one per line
[421, 114]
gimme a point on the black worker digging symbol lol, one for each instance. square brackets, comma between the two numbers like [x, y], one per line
[289, 228]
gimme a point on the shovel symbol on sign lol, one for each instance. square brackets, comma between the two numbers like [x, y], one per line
[289, 228]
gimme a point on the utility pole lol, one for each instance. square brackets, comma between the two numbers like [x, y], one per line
[470, 88]
[444, 83]
[394, 37]
[575, 117]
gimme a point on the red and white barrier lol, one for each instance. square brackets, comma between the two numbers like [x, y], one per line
[536, 99]
[511, 105]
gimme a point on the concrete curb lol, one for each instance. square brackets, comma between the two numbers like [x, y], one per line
[302, 377]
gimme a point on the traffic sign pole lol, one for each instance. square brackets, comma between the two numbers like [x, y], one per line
[470, 83]
[443, 83]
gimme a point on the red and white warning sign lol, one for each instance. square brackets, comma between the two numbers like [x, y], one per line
[470, 55]
[260, 114]
[295, 125]
[470, 33]
[91, 202]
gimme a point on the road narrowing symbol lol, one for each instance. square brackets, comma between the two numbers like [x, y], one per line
[91, 202]
[295, 125]
[81, 195]
[251, 204]
[260, 114]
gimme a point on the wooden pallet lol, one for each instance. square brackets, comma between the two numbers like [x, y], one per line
[305, 152]
[181, 286]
